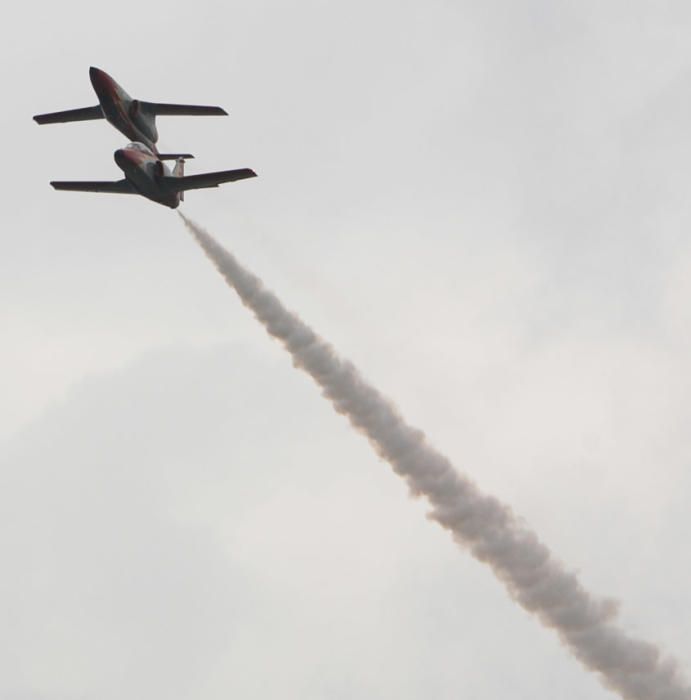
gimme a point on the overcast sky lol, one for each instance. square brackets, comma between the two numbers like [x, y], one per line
[483, 203]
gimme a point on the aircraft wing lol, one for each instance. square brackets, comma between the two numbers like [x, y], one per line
[70, 115]
[115, 187]
[197, 182]
[159, 108]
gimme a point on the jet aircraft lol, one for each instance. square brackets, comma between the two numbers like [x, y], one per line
[146, 174]
[136, 119]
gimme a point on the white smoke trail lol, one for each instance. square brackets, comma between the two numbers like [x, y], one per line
[635, 669]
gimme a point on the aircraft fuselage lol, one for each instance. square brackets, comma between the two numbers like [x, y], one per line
[122, 111]
[144, 171]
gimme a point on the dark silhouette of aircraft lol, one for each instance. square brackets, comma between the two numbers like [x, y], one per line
[136, 119]
[146, 174]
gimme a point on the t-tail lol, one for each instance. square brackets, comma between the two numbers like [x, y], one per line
[174, 156]
[179, 171]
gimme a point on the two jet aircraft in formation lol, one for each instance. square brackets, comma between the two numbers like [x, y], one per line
[145, 172]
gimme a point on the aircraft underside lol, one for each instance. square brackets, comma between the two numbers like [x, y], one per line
[145, 172]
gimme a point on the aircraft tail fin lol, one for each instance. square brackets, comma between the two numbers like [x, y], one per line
[174, 156]
[179, 171]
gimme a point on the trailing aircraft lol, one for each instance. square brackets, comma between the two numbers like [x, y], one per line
[136, 119]
[146, 174]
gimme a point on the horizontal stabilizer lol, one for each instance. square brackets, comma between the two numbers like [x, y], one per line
[161, 109]
[174, 156]
[197, 182]
[115, 187]
[70, 115]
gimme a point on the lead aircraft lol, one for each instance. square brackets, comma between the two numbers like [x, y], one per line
[146, 174]
[136, 119]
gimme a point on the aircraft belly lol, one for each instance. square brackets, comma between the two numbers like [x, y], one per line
[147, 186]
[116, 113]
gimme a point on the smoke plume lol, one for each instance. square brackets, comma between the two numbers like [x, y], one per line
[489, 529]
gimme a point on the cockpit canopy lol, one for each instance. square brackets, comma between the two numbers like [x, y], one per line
[136, 146]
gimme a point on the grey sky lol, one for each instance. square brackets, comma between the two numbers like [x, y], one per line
[483, 204]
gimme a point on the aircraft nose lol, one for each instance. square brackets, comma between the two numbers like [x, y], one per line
[122, 157]
[99, 79]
